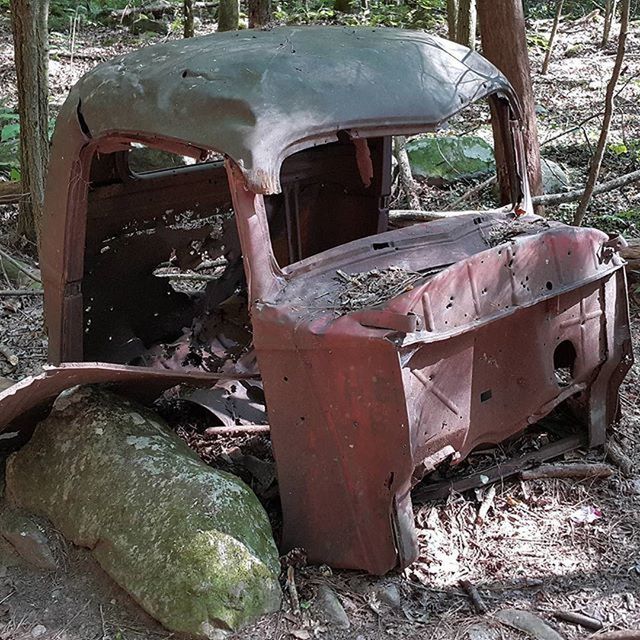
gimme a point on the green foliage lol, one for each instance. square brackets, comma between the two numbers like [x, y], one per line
[10, 142]
[415, 14]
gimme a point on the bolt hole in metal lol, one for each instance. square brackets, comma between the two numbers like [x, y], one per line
[564, 360]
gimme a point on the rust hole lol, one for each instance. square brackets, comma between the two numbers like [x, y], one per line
[564, 360]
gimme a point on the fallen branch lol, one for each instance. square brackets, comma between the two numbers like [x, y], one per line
[7, 261]
[408, 215]
[578, 618]
[9, 356]
[6, 293]
[567, 471]
[596, 161]
[237, 430]
[293, 590]
[486, 504]
[11, 192]
[409, 185]
[474, 596]
[472, 192]
[630, 634]
[576, 194]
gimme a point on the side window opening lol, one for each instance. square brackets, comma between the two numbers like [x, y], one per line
[164, 284]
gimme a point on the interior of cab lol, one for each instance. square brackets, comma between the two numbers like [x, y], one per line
[162, 254]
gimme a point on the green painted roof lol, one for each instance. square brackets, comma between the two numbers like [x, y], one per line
[258, 95]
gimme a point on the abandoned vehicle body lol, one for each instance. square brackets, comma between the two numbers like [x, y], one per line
[381, 351]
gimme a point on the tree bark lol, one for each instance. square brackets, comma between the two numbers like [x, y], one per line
[259, 13]
[504, 42]
[596, 161]
[452, 18]
[552, 38]
[187, 8]
[466, 23]
[609, 17]
[29, 20]
[229, 15]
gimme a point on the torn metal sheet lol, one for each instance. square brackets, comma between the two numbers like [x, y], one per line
[34, 394]
[233, 402]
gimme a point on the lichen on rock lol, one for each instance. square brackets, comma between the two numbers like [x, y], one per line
[191, 544]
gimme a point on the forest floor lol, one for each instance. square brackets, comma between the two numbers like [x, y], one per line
[534, 551]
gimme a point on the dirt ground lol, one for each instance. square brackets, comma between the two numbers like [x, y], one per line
[532, 551]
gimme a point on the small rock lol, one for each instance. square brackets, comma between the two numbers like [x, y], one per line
[328, 607]
[38, 631]
[389, 594]
[28, 539]
[482, 631]
[528, 623]
[554, 177]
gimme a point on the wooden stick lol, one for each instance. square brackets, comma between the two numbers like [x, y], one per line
[572, 196]
[406, 177]
[409, 215]
[9, 356]
[474, 596]
[486, 504]
[19, 266]
[567, 471]
[5, 293]
[293, 591]
[578, 618]
[472, 192]
[629, 634]
[552, 38]
[237, 430]
[596, 161]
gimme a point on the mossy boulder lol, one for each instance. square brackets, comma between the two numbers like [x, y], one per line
[192, 545]
[440, 160]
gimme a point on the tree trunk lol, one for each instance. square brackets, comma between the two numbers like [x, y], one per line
[452, 18]
[466, 29]
[609, 17]
[187, 8]
[259, 13]
[504, 42]
[343, 6]
[229, 15]
[30, 40]
[596, 161]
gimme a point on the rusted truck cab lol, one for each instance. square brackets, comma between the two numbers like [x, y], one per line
[383, 351]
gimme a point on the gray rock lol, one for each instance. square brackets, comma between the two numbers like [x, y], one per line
[528, 623]
[29, 539]
[440, 159]
[482, 631]
[389, 594]
[554, 177]
[148, 25]
[192, 545]
[38, 631]
[328, 607]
